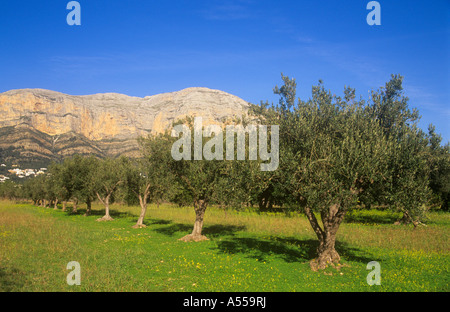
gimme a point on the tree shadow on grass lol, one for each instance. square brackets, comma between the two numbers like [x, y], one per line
[174, 228]
[218, 230]
[263, 249]
[159, 221]
[118, 214]
[100, 213]
[210, 231]
[11, 279]
[288, 249]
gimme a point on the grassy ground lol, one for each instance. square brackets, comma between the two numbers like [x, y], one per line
[246, 252]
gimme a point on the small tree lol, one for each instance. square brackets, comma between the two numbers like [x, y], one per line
[59, 183]
[198, 178]
[109, 175]
[336, 149]
[10, 190]
[149, 178]
[33, 189]
[82, 172]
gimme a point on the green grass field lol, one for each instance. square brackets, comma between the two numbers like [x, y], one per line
[245, 252]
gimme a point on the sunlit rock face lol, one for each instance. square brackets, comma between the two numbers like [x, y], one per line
[49, 124]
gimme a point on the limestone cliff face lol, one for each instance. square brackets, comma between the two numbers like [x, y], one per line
[107, 123]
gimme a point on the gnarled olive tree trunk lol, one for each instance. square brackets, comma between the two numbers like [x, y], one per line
[143, 204]
[105, 201]
[88, 207]
[196, 235]
[75, 205]
[326, 251]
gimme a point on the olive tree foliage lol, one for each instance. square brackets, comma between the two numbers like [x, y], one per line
[60, 184]
[243, 183]
[75, 179]
[236, 188]
[81, 180]
[35, 189]
[409, 164]
[12, 191]
[29, 191]
[334, 149]
[439, 161]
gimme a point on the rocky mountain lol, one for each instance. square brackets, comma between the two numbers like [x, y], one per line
[39, 125]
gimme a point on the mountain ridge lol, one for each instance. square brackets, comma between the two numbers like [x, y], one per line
[104, 124]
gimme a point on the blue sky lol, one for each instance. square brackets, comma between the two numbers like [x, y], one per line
[143, 48]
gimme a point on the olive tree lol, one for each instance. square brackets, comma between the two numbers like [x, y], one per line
[335, 149]
[199, 176]
[109, 175]
[149, 177]
[82, 171]
[60, 183]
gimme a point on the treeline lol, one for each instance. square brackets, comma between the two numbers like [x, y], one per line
[335, 153]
